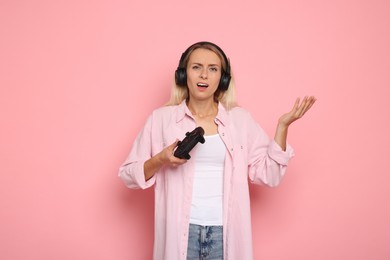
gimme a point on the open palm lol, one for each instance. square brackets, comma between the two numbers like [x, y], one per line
[299, 109]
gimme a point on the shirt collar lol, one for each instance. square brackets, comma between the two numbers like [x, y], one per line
[183, 111]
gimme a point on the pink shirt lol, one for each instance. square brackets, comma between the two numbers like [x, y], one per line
[250, 154]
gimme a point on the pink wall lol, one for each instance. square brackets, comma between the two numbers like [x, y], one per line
[78, 78]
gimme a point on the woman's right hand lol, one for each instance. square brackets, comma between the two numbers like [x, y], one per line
[163, 158]
[167, 158]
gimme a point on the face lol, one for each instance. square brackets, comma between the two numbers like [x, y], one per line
[203, 74]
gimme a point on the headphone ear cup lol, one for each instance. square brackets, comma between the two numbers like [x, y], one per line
[181, 77]
[224, 82]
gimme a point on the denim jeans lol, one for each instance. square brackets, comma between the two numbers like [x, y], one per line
[205, 243]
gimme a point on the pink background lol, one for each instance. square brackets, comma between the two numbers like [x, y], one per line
[78, 79]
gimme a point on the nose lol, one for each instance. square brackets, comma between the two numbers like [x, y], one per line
[203, 73]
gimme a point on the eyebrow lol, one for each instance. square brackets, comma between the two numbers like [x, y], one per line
[200, 64]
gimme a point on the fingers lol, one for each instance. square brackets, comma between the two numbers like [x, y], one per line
[174, 144]
[296, 105]
[300, 108]
[307, 103]
[174, 161]
[171, 149]
[311, 102]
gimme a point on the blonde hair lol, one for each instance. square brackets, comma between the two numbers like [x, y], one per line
[226, 98]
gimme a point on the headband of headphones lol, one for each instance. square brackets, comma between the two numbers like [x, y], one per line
[181, 71]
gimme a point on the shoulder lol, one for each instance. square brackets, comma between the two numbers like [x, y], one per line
[242, 119]
[165, 113]
[241, 113]
[164, 110]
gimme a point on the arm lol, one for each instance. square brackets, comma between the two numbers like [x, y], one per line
[142, 163]
[271, 168]
[285, 120]
[163, 158]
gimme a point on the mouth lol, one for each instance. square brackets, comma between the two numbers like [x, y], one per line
[202, 85]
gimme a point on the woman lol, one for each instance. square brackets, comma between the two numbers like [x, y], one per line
[202, 205]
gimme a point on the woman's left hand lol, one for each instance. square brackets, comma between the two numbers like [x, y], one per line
[299, 109]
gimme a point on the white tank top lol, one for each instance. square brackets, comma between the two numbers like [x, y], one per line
[207, 192]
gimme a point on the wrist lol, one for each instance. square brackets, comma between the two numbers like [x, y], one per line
[161, 159]
[282, 127]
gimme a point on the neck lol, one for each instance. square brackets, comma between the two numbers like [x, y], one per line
[203, 108]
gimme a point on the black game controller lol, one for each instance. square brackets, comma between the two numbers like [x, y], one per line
[189, 142]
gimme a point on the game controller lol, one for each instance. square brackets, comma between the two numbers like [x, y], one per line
[189, 142]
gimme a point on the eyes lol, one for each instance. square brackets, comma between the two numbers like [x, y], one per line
[212, 68]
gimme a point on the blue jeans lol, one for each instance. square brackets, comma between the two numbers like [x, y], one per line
[205, 243]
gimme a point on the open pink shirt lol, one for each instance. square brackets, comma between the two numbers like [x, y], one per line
[250, 154]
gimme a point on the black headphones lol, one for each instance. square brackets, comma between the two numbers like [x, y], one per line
[181, 73]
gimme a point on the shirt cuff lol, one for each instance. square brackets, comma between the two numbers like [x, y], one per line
[135, 177]
[278, 155]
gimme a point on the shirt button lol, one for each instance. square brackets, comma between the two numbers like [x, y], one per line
[223, 134]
